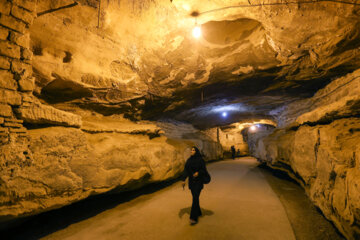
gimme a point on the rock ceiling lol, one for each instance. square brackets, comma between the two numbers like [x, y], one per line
[139, 57]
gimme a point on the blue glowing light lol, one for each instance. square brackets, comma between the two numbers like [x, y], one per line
[224, 107]
[224, 114]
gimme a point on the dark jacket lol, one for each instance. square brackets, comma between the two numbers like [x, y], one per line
[192, 165]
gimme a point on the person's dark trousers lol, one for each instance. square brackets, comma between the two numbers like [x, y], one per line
[195, 208]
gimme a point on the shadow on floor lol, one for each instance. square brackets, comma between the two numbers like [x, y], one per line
[41, 225]
[205, 212]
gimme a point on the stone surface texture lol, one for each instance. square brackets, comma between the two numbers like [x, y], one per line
[143, 52]
[66, 153]
[318, 145]
[99, 96]
[55, 166]
[41, 114]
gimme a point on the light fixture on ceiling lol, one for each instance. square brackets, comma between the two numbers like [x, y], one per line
[253, 128]
[196, 31]
[224, 114]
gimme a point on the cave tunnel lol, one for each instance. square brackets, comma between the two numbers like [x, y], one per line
[102, 102]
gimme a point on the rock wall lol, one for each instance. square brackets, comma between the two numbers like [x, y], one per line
[50, 167]
[207, 141]
[233, 138]
[318, 145]
[57, 166]
[16, 81]
[54, 155]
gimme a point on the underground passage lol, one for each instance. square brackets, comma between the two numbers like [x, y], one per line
[180, 119]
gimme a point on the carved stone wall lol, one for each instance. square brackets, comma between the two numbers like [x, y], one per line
[16, 81]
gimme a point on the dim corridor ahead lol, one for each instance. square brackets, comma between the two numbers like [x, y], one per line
[237, 204]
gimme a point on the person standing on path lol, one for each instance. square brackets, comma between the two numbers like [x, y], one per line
[232, 152]
[195, 170]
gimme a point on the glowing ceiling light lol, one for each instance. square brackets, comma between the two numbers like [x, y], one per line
[224, 114]
[253, 128]
[196, 32]
[186, 7]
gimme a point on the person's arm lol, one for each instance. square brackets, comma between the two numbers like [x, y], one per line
[185, 175]
[202, 168]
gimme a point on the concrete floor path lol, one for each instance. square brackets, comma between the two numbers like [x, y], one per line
[237, 204]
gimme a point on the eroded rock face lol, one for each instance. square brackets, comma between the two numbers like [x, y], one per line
[318, 146]
[339, 99]
[47, 115]
[324, 160]
[142, 53]
[54, 153]
[68, 75]
[66, 165]
[56, 166]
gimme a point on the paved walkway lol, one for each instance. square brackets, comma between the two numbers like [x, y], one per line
[237, 204]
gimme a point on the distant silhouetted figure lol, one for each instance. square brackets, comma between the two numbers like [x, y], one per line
[233, 152]
[195, 170]
[238, 153]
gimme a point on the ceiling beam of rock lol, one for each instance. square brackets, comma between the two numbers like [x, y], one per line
[140, 59]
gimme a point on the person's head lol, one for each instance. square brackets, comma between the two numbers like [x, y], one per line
[195, 151]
